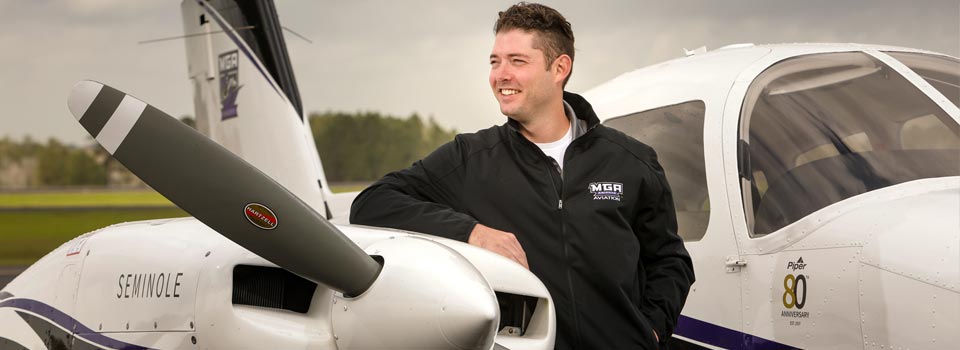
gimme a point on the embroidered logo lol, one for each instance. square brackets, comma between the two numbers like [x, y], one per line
[612, 191]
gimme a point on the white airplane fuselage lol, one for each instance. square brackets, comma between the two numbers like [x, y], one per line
[172, 284]
[879, 269]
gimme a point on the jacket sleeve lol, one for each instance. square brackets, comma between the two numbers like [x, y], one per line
[422, 198]
[669, 270]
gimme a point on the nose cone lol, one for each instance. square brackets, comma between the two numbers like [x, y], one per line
[468, 316]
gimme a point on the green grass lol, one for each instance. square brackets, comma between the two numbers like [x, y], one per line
[82, 199]
[94, 198]
[32, 224]
[26, 236]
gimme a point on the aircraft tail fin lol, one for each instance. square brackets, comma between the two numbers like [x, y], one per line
[245, 94]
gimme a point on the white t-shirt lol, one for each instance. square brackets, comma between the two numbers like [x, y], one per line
[557, 148]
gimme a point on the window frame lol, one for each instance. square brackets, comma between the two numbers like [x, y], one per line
[705, 202]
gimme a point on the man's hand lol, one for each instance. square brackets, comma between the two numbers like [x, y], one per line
[500, 242]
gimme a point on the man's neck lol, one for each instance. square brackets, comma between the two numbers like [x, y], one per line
[549, 127]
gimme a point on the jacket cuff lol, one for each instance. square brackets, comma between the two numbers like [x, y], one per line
[461, 231]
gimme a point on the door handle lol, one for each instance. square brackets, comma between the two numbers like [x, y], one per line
[734, 263]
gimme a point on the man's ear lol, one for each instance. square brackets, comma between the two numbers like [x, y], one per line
[561, 68]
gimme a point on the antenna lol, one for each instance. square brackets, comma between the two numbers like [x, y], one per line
[193, 35]
[297, 34]
[697, 51]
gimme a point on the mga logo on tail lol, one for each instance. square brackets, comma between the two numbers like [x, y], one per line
[229, 84]
[260, 216]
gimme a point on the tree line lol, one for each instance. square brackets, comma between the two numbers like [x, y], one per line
[33, 164]
[364, 146]
[354, 147]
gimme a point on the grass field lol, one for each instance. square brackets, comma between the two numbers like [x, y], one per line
[27, 236]
[82, 199]
[34, 223]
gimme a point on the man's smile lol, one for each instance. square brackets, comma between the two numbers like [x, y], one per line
[509, 92]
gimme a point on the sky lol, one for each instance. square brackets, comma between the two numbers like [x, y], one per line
[416, 56]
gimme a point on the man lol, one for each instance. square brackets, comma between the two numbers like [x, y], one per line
[583, 206]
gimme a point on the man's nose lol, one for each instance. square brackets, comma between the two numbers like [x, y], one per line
[502, 74]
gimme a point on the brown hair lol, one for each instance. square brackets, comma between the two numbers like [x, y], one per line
[554, 36]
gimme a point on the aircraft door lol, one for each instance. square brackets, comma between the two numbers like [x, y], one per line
[814, 132]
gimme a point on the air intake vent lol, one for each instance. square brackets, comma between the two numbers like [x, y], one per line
[271, 287]
[515, 313]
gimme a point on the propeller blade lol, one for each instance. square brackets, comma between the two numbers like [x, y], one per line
[220, 189]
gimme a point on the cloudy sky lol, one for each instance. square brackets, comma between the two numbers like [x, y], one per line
[399, 57]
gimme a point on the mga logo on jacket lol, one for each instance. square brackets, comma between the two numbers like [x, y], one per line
[612, 191]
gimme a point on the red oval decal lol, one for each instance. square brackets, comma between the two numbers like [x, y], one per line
[260, 216]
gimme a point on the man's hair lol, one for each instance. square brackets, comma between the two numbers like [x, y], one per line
[552, 33]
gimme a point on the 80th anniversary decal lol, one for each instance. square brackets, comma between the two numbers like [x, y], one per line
[795, 293]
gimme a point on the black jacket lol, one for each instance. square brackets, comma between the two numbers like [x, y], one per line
[602, 236]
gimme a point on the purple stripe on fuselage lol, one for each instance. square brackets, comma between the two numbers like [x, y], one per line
[723, 337]
[68, 323]
[229, 30]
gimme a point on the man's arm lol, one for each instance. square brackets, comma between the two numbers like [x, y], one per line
[425, 197]
[420, 198]
[669, 270]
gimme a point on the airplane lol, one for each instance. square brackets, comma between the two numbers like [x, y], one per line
[817, 188]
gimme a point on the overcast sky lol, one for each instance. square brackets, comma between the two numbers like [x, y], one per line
[399, 57]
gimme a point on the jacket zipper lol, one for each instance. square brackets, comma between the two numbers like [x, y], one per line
[563, 226]
[563, 237]
[566, 245]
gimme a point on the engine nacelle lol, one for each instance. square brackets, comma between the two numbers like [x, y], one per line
[440, 298]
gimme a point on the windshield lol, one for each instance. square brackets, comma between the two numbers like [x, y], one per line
[818, 129]
[943, 73]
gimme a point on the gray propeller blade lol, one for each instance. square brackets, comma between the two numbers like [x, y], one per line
[221, 190]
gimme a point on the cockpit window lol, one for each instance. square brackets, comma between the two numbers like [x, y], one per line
[943, 73]
[676, 133]
[817, 129]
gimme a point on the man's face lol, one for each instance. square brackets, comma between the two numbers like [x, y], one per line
[519, 77]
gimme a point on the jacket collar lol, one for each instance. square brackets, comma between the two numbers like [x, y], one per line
[586, 118]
